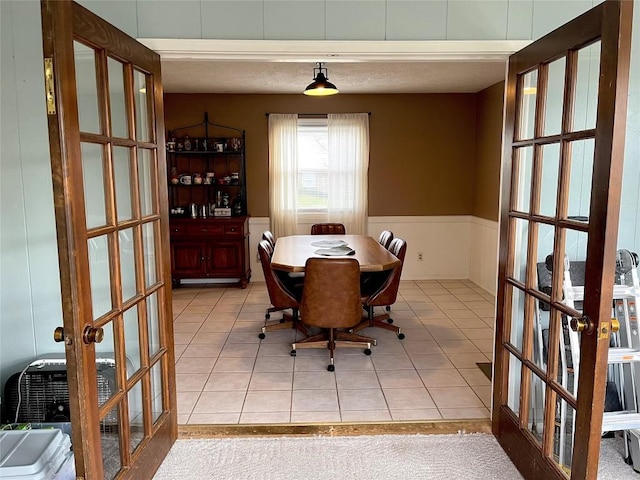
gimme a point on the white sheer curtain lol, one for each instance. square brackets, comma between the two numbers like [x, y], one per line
[283, 173]
[347, 181]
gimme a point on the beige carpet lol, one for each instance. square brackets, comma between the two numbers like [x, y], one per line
[384, 457]
[388, 457]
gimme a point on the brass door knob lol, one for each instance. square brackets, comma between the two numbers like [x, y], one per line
[581, 324]
[58, 334]
[92, 335]
[615, 325]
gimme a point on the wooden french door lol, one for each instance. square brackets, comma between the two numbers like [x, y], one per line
[564, 138]
[105, 116]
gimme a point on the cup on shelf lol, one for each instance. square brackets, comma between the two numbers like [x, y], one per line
[220, 147]
[185, 179]
[197, 179]
[209, 178]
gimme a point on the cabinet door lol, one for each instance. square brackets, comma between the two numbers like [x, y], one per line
[225, 257]
[187, 258]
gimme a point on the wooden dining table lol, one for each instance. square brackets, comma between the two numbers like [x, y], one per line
[291, 253]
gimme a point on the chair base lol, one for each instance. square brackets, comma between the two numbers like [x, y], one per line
[332, 339]
[380, 321]
[287, 321]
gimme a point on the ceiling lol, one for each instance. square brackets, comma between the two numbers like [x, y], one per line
[355, 67]
[256, 77]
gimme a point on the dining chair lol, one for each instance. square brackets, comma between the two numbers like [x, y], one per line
[385, 238]
[331, 301]
[328, 229]
[281, 297]
[268, 236]
[385, 294]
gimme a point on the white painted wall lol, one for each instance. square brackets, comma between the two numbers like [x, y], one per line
[29, 284]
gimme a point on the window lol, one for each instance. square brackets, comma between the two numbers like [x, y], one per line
[318, 170]
[313, 164]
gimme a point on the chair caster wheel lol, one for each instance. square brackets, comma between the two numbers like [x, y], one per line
[367, 351]
[389, 320]
[261, 335]
[401, 336]
[331, 368]
[388, 307]
[267, 316]
[293, 353]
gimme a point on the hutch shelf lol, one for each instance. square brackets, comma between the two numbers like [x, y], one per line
[209, 224]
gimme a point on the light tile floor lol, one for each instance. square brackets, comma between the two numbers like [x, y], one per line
[227, 375]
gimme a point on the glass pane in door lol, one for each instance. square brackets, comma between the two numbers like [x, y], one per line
[117, 98]
[527, 110]
[518, 299]
[100, 273]
[521, 242]
[524, 160]
[156, 391]
[149, 251]
[554, 98]
[581, 171]
[146, 181]
[93, 184]
[536, 406]
[132, 340]
[122, 174]
[140, 82]
[153, 323]
[586, 89]
[549, 180]
[110, 440]
[563, 436]
[86, 88]
[126, 239]
[515, 376]
[136, 417]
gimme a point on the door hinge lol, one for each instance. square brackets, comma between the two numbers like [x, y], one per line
[49, 86]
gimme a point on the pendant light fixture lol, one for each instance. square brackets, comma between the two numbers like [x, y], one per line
[321, 86]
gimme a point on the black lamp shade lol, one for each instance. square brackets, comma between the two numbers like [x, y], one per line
[320, 87]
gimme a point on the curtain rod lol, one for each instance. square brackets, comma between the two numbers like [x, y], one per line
[312, 114]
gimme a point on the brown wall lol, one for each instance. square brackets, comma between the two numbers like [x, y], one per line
[422, 149]
[486, 193]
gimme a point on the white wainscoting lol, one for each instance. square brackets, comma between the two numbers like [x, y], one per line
[452, 247]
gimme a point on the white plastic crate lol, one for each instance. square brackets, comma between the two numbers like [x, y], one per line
[36, 455]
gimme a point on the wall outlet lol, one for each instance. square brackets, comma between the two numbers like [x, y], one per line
[419, 256]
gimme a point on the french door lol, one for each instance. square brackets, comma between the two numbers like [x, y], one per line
[105, 117]
[564, 138]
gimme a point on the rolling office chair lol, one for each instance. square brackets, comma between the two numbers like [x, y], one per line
[386, 236]
[268, 236]
[280, 296]
[331, 301]
[328, 229]
[385, 294]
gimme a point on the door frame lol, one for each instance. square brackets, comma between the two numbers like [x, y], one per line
[610, 21]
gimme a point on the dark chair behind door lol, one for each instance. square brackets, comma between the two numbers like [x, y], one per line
[328, 229]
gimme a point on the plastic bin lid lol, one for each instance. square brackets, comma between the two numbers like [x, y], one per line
[34, 454]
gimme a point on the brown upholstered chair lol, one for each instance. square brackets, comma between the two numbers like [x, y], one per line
[280, 296]
[331, 301]
[268, 236]
[385, 238]
[385, 294]
[328, 229]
